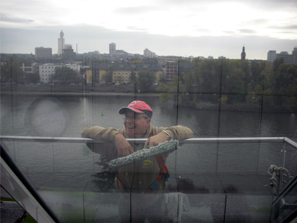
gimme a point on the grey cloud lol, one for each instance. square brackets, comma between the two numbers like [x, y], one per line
[246, 31]
[136, 28]
[203, 30]
[5, 18]
[294, 27]
[263, 4]
[229, 32]
[134, 10]
[254, 22]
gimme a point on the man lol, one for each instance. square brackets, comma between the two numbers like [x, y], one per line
[141, 177]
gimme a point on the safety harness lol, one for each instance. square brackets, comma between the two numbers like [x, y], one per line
[164, 174]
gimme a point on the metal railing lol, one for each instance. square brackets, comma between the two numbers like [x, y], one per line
[142, 140]
[286, 141]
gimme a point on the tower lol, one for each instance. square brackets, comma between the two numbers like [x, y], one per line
[112, 48]
[61, 43]
[243, 53]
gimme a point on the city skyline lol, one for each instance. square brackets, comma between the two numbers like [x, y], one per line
[188, 28]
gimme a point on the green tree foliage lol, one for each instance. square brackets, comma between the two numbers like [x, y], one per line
[270, 85]
[97, 61]
[177, 92]
[11, 71]
[145, 80]
[284, 82]
[31, 78]
[107, 77]
[257, 73]
[64, 75]
[132, 77]
[169, 91]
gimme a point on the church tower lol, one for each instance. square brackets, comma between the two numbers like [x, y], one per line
[61, 43]
[243, 53]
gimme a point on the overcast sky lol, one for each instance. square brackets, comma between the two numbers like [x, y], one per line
[166, 27]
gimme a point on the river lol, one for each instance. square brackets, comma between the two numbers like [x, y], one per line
[61, 165]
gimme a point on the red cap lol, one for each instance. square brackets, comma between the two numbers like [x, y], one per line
[138, 107]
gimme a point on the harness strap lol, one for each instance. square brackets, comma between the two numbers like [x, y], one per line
[164, 174]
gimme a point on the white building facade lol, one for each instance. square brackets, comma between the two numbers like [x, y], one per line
[271, 56]
[148, 53]
[288, 58]
[46, 71]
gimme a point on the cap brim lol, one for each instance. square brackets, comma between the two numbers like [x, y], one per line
[123, 111]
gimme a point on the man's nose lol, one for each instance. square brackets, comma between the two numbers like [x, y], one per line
[129, 119]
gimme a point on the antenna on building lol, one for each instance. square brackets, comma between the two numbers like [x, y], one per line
[76, 49]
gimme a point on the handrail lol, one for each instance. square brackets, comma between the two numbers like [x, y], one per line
[142, 140]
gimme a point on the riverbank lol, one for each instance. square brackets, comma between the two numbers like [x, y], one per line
[75, 90]
[125, 91]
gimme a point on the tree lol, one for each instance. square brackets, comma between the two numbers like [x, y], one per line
[65, 75]
[132, 77]
[107, 77]
[11, 71]
[34, 78]
[145, 80]
[285, 87]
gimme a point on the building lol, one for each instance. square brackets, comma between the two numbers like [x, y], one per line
[288, 58]
[29, 68]
[284, 55]
[61, 43]
[121, 71]
[148, 53]
[271, 56]
[46, 71]
[243, 54]
[41, 52]
[68, 53]
[162, 60]
[112, 48]
[171, 70]
[294, 55]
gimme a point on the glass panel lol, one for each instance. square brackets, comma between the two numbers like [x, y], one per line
[223, 90]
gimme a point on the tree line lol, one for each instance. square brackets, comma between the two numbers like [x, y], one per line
[142, 81]
[11, 72]
[226, 81]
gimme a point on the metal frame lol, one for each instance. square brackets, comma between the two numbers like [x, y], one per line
[142, 140]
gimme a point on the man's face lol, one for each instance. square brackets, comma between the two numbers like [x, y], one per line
[136, 124]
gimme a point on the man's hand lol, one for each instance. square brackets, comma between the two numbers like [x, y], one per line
[156, 139]
[122, 145]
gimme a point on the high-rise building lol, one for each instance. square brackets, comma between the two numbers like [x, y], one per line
[112, 48]
[271, 56]
[171, 70]
[61, 42]
[148, 53]
[288, 58]
[41, 52]
[243, 54]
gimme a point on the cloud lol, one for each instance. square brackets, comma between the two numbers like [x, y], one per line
[247, 31]
[134, 28]
[5, 18]
[255, 22]
[135, 10]
[293, 27]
